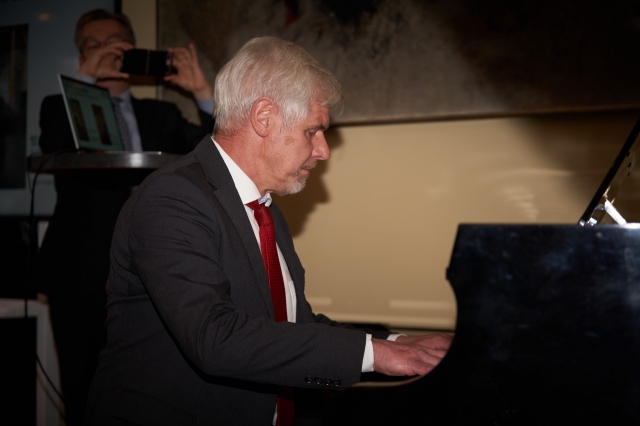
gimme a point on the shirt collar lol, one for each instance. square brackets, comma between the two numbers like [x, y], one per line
[124, 96]
[244, 185]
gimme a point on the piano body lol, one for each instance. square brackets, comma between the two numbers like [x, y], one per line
[548, 328]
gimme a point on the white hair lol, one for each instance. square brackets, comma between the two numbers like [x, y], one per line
[276, 69]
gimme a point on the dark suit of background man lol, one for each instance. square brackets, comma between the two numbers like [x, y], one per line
[74, 259]
[191, 332]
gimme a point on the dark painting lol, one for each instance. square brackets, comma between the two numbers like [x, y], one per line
[404, 60]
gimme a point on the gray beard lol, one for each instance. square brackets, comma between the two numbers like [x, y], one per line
[294, 189]
[299, 185]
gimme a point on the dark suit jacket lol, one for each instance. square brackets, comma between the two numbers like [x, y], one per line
[191, 335]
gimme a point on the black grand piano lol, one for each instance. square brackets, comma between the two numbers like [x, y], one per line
[548, 328]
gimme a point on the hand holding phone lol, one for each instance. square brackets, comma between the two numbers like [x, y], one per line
[104, 62]
[188, 74]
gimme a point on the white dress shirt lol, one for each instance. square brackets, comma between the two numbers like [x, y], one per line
[249, 192]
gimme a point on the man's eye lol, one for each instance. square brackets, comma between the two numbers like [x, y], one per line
[113, 40]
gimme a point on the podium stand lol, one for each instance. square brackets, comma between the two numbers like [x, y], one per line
[126, 168]
[121, 166]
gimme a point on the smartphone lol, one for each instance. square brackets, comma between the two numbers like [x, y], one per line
[147, 62]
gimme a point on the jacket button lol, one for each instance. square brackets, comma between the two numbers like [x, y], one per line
[308, 380]
[319, 381]
[337, 382]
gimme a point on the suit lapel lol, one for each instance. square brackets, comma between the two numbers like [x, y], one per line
[218, 175]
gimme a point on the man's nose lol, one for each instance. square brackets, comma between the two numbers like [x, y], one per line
[321, 150]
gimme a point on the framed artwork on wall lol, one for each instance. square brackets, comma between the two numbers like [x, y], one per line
[423, 60]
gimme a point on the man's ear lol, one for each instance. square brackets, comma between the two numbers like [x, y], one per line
[263, 116]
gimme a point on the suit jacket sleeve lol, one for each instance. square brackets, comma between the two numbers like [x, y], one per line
[183, 247]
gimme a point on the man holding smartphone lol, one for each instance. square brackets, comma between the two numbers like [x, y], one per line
[74, 258]
[102, 38]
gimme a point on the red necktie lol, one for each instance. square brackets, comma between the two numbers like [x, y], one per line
[276, 284]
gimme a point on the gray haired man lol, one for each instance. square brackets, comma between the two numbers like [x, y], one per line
[207, 317]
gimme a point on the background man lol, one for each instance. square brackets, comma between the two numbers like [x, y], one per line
[74, 258]
[207, 317]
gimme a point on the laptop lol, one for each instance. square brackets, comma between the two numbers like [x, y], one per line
[93, 122]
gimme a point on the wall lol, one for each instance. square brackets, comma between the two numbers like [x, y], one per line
[376, 224]
[142, 14]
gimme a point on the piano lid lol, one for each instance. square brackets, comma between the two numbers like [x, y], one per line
[602, 201]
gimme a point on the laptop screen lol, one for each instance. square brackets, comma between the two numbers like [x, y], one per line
[91, 116]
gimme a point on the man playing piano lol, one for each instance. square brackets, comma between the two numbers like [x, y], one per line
[207, 317]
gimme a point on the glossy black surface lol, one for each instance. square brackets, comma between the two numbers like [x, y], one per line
[548, 332]
[113, 166]
[99, 161]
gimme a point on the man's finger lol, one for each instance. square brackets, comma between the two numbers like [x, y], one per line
[179, 53]
[437, 352]
[194, 55]
[421, 368]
